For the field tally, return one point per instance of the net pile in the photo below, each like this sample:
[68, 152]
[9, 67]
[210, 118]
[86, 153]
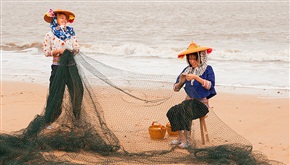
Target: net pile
[104, 118]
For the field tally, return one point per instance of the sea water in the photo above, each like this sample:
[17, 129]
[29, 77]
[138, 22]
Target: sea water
[250, 39]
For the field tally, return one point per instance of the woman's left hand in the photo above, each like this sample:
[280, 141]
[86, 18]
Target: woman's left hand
[75, 51]
[190, 77]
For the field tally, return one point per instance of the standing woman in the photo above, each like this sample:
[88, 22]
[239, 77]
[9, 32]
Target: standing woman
[199, 80]
[61, 44]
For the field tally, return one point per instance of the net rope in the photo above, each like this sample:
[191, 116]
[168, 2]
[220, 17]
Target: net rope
[96, 113]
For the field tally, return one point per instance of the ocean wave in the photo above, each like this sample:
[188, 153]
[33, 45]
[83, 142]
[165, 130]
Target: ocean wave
[20, 46]
[251, 56]
[169, 52]
[139, 50]
[133, 50]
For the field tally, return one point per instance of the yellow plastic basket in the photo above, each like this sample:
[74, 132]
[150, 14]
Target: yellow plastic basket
[157, 131]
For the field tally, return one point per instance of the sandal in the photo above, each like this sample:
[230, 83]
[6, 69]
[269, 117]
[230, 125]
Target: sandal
[175, 142]
[49, 127]
[183, 145]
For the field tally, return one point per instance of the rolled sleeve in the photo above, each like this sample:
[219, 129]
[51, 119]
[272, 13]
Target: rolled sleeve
[76, 46]
[47, 45]
[210, 78]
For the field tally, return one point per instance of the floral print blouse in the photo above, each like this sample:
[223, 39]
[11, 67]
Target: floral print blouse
[51, 43]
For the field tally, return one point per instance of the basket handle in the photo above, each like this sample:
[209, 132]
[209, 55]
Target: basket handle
[156, 123]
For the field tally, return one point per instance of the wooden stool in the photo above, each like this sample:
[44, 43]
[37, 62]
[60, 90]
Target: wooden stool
[203, 130]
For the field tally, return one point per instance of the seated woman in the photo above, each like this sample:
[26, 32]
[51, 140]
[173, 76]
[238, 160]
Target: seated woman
[199, 80]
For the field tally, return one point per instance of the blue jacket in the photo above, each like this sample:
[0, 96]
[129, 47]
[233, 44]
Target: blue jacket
[197, 90]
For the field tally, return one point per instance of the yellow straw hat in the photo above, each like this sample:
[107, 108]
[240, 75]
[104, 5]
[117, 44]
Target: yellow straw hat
[50, 14]
[192, 48]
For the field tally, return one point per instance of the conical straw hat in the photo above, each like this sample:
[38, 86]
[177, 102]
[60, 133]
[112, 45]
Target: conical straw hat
[192, 48]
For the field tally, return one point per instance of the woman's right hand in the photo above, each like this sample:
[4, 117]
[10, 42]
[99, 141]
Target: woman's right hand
[58, 52]
[176, 87]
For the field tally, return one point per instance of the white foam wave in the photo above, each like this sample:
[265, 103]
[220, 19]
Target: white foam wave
[171, 51]
[247, 55]
[163, 51]
[133, 49]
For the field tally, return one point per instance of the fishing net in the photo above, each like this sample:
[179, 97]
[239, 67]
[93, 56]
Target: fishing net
[97, 114]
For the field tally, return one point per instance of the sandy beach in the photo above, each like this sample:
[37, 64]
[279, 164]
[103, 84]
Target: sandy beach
[250, 59]
[262, 121]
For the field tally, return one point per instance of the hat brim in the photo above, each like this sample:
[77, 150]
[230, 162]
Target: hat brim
[193, 50]
[66, 12]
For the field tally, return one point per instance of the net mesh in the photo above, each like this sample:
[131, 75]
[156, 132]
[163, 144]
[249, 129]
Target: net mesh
[99, 114]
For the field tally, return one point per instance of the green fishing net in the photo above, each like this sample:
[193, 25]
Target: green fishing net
[97, 114]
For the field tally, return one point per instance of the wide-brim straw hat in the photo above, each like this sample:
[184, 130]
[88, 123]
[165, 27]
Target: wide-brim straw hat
[192, 48]
[50, 14]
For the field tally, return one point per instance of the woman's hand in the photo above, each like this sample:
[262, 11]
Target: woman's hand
[75, 51]
[61, 51]
[58, 52]
[190, 77]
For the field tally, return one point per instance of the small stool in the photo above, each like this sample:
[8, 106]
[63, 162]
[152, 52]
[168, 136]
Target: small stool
[203, 130]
